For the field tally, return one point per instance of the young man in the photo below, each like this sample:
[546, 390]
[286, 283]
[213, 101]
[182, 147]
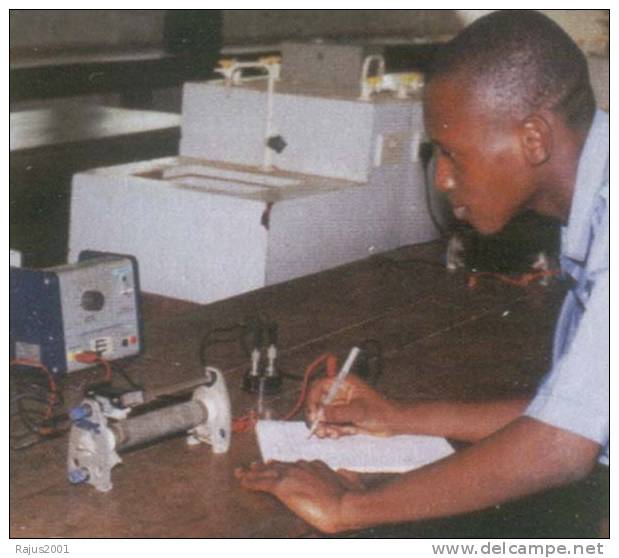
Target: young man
[511, 113]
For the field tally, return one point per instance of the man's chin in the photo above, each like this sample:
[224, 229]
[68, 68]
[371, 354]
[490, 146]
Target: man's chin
[486, 228]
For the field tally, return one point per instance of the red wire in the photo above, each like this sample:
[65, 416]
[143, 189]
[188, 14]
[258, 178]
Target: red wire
[52, 387]
[247, 422]
[85, 357]
[331, 362]
[90, 357]
[521, 281]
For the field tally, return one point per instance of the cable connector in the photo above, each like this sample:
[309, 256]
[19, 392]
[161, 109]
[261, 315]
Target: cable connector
[91, 357]
[87, 357]
[263, 379]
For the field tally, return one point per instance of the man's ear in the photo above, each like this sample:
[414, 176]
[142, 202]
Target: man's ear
[536, 139]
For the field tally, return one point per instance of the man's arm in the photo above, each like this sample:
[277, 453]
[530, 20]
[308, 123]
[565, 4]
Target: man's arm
[456, 420]
[524, 457]
[360, 408]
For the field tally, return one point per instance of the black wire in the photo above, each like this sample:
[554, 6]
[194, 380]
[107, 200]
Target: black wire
[252, 333]
[207, 340]
[369, 364]
[30, 404]
[254, 328]
[426, 152]
[118, 368]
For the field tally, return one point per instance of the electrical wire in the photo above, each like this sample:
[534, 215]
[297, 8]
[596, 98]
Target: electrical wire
[248, 421]
[522, 280]
[368, 366]
[120, 370]
[36, 403]
[53, 389]
[369, 363]
[426, 152]
[91, 357]
[330, 362]
[208, 340]
[39, 407]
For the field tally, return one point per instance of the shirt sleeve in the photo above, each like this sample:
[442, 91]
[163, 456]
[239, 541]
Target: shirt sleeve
[574, 396]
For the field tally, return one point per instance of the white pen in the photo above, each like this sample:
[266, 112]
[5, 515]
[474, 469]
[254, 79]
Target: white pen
[335, 387]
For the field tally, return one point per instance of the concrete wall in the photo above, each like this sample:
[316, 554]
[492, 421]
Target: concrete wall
[117, 28]
[75, 28]
[55, 29]
[273, 25]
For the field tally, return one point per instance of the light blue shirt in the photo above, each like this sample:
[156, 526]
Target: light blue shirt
[574, 395]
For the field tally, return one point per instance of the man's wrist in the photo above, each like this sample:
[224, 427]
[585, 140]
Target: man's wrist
[407, 418]
[397, 422]
[353, 510]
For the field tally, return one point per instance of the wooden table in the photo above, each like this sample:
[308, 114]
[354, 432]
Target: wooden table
[439, 339]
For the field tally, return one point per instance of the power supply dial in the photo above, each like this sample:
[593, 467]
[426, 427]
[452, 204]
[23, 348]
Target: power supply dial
[92, 301]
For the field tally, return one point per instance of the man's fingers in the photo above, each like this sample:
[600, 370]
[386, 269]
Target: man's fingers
[345, 430]
[338, 420]
[314, 465]
[259, 484]
[350, 413]
[260, 476]
[326, 430]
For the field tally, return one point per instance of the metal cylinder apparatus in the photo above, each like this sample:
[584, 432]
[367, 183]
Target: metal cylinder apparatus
[100, 430]
[158, 424]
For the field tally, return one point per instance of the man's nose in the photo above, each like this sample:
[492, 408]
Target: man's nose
[444, 180]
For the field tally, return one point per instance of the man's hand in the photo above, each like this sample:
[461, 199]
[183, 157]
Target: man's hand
[357, 409]
[310, 489]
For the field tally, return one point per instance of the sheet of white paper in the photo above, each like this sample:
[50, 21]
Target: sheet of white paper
[288, 441]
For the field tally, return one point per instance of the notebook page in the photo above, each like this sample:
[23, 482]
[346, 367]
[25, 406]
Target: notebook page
[288, 441]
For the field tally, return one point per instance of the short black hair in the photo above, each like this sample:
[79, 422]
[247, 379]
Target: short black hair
[525, 60]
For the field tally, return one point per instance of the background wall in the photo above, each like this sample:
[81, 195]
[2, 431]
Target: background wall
[241, 26]
[119, 28]
[38, 31]
[55, 29]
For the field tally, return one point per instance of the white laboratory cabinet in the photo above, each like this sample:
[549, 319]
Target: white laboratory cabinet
[341, 181]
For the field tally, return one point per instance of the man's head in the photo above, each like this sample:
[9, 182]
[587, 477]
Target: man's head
[506, 101]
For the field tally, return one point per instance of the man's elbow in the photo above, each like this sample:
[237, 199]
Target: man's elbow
[557, 457]
[580, 468]
[574, 459]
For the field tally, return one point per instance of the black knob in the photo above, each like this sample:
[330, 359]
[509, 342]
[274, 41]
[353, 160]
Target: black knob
[92, 301]
[277, 143]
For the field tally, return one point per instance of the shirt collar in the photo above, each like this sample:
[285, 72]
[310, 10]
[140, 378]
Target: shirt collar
[590, 177]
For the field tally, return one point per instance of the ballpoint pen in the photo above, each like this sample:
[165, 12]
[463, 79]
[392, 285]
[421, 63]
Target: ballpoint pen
[335, 387]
